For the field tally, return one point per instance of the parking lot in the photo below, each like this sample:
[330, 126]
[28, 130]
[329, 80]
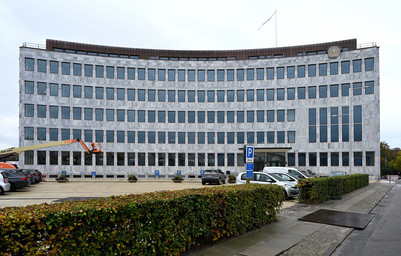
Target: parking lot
[52, 191]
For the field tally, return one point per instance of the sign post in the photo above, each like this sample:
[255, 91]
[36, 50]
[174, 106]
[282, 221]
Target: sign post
[249, 151]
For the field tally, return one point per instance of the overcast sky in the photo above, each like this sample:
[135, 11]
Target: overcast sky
[201, 25]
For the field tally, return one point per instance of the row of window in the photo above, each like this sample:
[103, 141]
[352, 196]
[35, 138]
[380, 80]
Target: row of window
[160, 116]
[322, 127]
[151, 95]
[201, 75]
[191, 159]
[161, 137]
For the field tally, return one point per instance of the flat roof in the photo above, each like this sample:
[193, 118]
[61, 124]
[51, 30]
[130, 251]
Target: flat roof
[244, 54]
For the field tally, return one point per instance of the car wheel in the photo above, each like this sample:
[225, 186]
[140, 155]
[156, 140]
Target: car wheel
[1, 190]
[12, 187]
[224, 181]
[218, 182]
[203, 183]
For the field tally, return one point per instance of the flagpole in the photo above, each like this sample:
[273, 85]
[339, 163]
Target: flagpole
[276, 26]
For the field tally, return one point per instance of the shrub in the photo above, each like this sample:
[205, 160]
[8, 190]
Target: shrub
[160, 223]
[318, 190]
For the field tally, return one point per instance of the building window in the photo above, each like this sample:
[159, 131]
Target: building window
[42, 66]
[291, 159]
[65, 157]
[141, 74]
[240, 75]
[301, 159]
[210, 96]
[323, 159]
[312, 125]
[323, 69]
[312, 70]
[171, 75]
[131, 73]
[88, 70]
[280, 115]
[312, 92]
[201, 159]
[77, 91]
[345, 69]
[291, 94]
[77, 113]
[191, 137]
[211, 161]
[240, 95]
[230, 74]
[29, 64]
[334, 156]
[41, 111]
[220, 137]
[301, 93]
[345, 157]
[53, 134]
[141, 159]
[41, 133]
[53, 157]
[240, 117]
[370, 158]
[211, 138]
[65, 68]
[201, 138]
[250, 95]
[357, 158]
[291, 136]
[240, 137]
[250, 137]
[220, 117]
[260, 137]
[323, 91]
[130, 136]
[357, 66]
[29, 87]
[201, 96]
[131, 159]
[260, 73]
[120, 159]
[369, 64]
[171, 159]
[333, 68]
[280, 137]
[99, 71]
[270, 73]
[290, 72]
[240, 159]
[280, 93]
[280, 72]
[77, 69]
[301, 71]
[357, 123]
[250, 74]
[65, 90]
[312, 159]
[220, 96]
[88, 135]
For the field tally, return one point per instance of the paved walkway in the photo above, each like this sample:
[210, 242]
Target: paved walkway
[290, 236]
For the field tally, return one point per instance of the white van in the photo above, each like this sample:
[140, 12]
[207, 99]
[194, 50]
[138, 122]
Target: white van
[292, 171]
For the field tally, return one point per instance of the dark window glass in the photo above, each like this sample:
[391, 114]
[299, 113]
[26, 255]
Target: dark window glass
[120, 94]
[171, 96]
[280, 115]
[88, 114]
[131, 115]
[210, 96]
[270, 94]
[301, 159]
[110, 93]
[210, 75]
[250, 74]
[141, 116]
[211, 136]
[152, 137]
[77, 91]
[88, 70]
[357, 158]
[270, 115]
[171, 137]
[151, 95]
[220, 75]
[357, 66]
[345, 69]
[201, 116]
[370, 158]
[201, 138]
[53, 111]
[301, 71]
[191, 75]
[151, 74]
[240, 116]
[323, 91]
[65, 112]
[369, 87]
[291, 159]
[42, 66]
[99, 114]
[161, 137]
[171, 116]
[201, 96]
[65, 90]
[191, 96]
[240, 95]
[151, 116]
[110, 136]
[357, 88]
[334, 90]
[250, 95]
[77, 113]
[201, 75]
[280, 72]
[250, 116]
[141, 74]
[141, 94]
[230, 74]
[28, 131]
[345, 90]
[270, 73]
[301, 93]
[220, 96]
[120, 72]
[181, 75]
[230, 96]
[345, 157]
[29, 87]
[191, 137]
[29, 64]
[312, 159]
[240, 75]
[41, 135]
[369, 64]
[333, 68]
[260, 73]
[280, 137]
[42, 88]
[311, 70]
[161, 116]
[131, 73]
[323, 69]
[280, 94]
[109, 114]
[260, 137]
[230, 116]
[109, 72]
[29, 110]
[181, 116]
[99, 93]
[291, 94]
[161, 74]
[260, 116]
[141, 136]
[291, 72]
[171, 74]
[77, 69]
[99, 71]
[65, 134]
[131, 94]
[210, 116]
[201, 159]
[240, 137]
[260, 94]
[65, 68]
[220, 116]
[161, 95]
[312, 92]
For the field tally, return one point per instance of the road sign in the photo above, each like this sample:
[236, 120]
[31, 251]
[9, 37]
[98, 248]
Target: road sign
[202, 172]
[249, 166]
[249, 174]
[157, 173]
[63, 173]
[249, 154]
[179, 173]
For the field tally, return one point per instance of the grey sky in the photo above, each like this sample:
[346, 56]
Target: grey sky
[202, 25]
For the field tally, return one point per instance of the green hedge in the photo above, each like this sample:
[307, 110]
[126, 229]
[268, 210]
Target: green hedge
[160, 223]
[318, 190]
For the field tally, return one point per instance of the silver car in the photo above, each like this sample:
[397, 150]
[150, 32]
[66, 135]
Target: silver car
[4, 185]
[291, 189]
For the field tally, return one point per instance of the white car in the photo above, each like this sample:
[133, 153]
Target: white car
[292, 171]
[4, 185]
[291, 190]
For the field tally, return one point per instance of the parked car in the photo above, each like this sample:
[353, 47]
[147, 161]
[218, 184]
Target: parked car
[338, 173]
[4, 184]
[34, 175]
[287, 177]
[292, 171]
[291, 190]
[16, 178]
[213, 176]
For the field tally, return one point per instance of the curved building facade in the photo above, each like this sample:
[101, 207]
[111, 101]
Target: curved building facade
[161, 111]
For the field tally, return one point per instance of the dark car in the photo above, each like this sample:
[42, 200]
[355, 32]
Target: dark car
[16, 178]
[34, 175]
[213, 176]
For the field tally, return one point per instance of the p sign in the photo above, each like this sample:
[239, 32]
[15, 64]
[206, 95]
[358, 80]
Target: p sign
[249, 154]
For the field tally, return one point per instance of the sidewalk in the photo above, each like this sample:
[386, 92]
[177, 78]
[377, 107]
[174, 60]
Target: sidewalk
[290, 236]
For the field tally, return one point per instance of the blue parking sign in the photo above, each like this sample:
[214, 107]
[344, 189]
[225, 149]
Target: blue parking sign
[249, 166]
[249, 154]
[179, 173]
[157, 173]
[201, 172]
[249, 174]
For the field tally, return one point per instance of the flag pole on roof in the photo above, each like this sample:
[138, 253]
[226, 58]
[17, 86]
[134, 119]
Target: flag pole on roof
[275, 17]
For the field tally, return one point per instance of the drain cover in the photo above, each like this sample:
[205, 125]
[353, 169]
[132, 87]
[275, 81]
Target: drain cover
[338, 218]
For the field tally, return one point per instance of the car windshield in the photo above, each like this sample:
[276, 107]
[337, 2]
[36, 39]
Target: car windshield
[277, 177]
[211, 171]
[285, 177]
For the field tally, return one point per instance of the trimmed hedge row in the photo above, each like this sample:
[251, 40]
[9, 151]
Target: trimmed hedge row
[160, 223]
[319, 190]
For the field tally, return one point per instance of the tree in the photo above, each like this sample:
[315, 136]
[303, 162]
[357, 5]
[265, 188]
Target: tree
[387, 158]
[397, 162]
